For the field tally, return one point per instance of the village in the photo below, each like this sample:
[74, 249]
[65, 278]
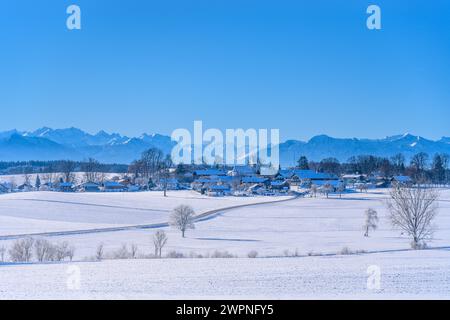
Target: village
[245, 180]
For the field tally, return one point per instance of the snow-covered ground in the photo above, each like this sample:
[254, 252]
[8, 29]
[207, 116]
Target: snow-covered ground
[303, 226]
[306, 225]
[33, 212]
[409, 275]
[19, 179]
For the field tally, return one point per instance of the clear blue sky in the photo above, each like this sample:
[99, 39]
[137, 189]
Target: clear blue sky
[305, 67]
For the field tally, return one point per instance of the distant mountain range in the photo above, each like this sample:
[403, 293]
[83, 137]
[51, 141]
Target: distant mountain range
[75, 144]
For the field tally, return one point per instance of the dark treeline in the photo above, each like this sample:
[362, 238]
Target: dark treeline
[28, 167]
[421, 167]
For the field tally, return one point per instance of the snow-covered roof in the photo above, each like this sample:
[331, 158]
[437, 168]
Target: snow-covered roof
[242, 170]
[333, 183]
[89, 185]
[402, 178]
[66, 184]
[209, 172]
[286, 173]
[203, 180]
[268, 171]
[253, 180]
[352, 176]
[278, 183]
[113, 184]
[169, 180]
[219, 187]
[255, 187]
[310, 174]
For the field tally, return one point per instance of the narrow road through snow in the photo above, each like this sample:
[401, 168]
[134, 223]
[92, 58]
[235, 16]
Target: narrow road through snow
[201, 217]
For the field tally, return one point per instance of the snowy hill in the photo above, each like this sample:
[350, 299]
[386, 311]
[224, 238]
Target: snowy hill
[72, 143]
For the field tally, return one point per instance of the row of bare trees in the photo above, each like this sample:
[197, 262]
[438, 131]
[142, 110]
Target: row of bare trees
[23, 250]
[152, 166]
[182, 218]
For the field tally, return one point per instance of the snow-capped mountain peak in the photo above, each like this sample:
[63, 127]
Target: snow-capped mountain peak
[72, 143]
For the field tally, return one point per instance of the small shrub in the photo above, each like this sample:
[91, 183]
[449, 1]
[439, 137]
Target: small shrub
[252, 254]
[133, 250]
[99, 252]
[175, 255]
[419, 245]
[194, 255]
[121, 253]
[2, 253]
[222, 254]
[345, 251]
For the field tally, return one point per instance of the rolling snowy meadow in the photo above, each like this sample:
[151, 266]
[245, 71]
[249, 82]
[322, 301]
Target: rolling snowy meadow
[297, 247]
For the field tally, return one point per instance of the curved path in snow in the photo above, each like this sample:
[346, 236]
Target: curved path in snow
[201, 217]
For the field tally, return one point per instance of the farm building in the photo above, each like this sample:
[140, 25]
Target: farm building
[113, 186]
[404, 180]
[218, 190]
[3, 188]
[65, 187]
[242, 171]
[89, 187]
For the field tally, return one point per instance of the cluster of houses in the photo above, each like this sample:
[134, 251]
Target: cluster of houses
[107, 186]
[239, 181]
[248, 180]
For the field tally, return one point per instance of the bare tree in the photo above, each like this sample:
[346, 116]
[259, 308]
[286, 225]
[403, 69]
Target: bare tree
[327, 189]
[412, 210]
[159, 241]
[398, 161]
[27, 179]
[91, 169]
[43, 250]
[371, 221]
[61, 251]
[313, 190]
[182, 218]
[151, 161]
[122, 252]
[49, 178]
[99, 252]
[70, 252]
[341, 189]
[363, 187]
[21, 250]
[133, 250]
[67, 169]
[164, 167]
[2, 253]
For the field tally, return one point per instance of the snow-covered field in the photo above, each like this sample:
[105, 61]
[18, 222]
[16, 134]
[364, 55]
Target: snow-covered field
[301, 226]
[78, 177]
[33, 212]
[409, 275]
